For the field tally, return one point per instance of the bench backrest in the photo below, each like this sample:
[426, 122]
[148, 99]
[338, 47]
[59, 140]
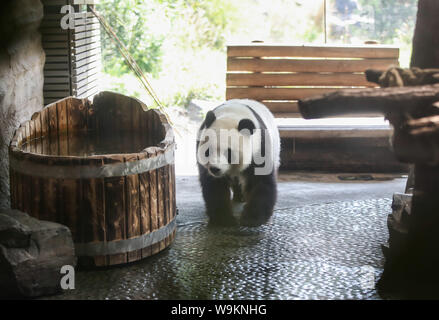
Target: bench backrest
[279, 75]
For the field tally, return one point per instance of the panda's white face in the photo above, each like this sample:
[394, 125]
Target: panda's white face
[223, 150]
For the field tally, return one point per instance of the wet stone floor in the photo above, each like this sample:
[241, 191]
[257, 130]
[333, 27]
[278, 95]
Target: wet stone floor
[324, 242]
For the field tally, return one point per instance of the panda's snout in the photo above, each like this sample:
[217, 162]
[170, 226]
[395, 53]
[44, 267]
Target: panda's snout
[214, 170]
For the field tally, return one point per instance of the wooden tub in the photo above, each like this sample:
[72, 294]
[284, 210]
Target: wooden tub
[105, 169]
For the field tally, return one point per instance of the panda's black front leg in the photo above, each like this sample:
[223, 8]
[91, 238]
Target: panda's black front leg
[216, 194]
[261, 198]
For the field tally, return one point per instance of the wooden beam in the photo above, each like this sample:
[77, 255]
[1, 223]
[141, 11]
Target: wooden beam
[342, 51]
[298, 79]
[308, 65]
[276, 93]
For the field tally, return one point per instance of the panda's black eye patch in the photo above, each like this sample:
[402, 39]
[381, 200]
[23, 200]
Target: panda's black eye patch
[229, 155]
[207, 153]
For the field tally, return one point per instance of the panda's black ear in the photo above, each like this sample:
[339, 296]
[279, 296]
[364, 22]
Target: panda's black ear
[246, 124]
[210, 118]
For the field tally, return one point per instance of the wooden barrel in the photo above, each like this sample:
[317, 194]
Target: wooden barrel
[104, 169]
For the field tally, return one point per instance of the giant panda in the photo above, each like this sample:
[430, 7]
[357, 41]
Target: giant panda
[238, 148]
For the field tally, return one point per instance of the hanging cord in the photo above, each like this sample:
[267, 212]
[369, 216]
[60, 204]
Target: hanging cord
[130, 61]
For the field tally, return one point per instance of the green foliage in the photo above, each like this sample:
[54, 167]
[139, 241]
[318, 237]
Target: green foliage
[182, 43]
[394, 19]
[131, 20]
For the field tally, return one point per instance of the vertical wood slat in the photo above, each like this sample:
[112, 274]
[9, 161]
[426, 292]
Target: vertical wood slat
[144, 200]
[93, 211]
[153, 205]
[132, 211]
[115, 211]
[160, 200]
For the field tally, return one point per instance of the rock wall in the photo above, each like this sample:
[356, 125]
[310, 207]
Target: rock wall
[21, 74]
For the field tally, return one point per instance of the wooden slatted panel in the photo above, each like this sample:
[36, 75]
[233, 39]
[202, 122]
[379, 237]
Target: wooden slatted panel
[72, 55]
[279, 75]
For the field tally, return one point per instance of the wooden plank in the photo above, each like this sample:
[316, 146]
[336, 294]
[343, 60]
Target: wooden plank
[144, 200]
[86, 90]
[56, 94]
[50, 87]
[153, 204]
[276, 93]
[80, 21]
[56, 80]
[335, 131]
[77, 71]
[290, 109]
[54, 37]
[161, 202]
[166, 195]
[56, 52]
[88, 47]
[61, 109]
[84, 41]
[298, 79]
[132, 211]
[55, 45]
[76, 116]
[86, 27]
[69, 207]
[309, 65]
[85, 34]
[93, 213]
[91, 78]
[333, 51]
[81, 56]
[282, 106]
[56, 66]
[56, 73]
[115, 211]
[92, 58]
[85, 75]
[54, 59]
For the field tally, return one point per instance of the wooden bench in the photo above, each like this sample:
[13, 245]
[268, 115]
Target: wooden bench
[280, 75]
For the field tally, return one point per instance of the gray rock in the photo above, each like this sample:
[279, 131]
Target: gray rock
[32, 253]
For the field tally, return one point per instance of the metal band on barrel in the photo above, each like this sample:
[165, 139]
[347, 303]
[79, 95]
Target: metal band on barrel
[84, 172]
[124, 246]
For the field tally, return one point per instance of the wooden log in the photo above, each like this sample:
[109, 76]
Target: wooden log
[394, 103]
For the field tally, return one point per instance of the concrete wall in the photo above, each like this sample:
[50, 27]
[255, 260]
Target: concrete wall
[21, 74]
